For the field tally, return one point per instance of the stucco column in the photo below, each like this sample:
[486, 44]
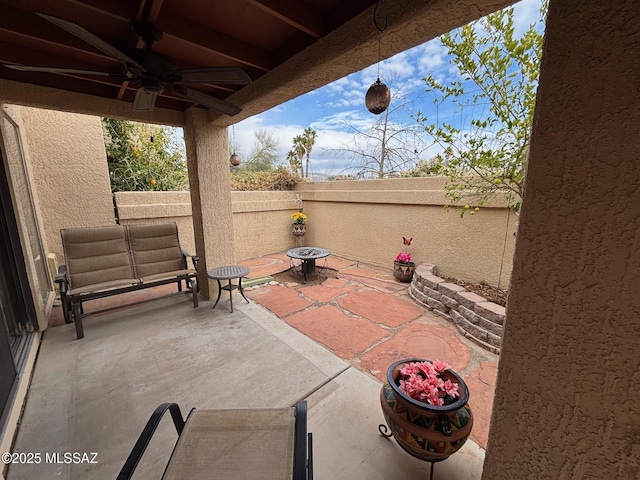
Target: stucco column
[567, 402]
[208, 163]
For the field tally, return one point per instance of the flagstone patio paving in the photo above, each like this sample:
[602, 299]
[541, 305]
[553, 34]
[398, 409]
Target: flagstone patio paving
[366, 318]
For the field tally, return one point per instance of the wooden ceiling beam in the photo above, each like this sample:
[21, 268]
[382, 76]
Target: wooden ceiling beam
[293, 13]
[198, 36]
[41, 35]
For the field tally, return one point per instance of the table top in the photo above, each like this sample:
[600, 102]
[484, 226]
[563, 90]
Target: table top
[308, 253]
[228, 272]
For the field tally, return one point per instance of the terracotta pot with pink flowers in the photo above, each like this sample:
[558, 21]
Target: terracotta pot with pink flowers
[403, 266]
[425, 405]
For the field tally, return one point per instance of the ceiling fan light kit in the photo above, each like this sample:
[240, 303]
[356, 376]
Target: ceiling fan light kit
[156, 73]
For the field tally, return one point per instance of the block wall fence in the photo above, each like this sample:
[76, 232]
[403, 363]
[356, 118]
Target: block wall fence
[362, 220]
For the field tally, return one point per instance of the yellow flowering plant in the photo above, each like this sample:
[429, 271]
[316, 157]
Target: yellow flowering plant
[299, 217]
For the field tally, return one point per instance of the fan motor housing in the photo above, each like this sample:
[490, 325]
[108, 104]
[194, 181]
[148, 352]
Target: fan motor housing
[152, 85]
[153, 63]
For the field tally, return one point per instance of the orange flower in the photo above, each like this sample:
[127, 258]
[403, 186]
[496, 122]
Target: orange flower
[152, 181]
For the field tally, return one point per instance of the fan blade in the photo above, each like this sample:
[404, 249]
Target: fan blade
[219, 75]
[204, 99]
[29, 68]
[91, 39]
[144, 101]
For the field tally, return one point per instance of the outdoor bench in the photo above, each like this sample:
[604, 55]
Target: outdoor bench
[105, 261]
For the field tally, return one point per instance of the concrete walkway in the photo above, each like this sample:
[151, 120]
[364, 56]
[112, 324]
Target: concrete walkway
[366, 318]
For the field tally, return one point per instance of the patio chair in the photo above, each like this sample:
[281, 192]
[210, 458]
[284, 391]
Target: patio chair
[270, 443]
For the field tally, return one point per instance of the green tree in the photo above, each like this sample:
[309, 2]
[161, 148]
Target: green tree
[143, 157]
[264, 152]
[497, 83]
[309, 140]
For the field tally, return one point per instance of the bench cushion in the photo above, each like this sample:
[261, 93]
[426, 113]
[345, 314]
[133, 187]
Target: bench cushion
[103, 287]
[97, 255]
[155, 249]
[167, 276]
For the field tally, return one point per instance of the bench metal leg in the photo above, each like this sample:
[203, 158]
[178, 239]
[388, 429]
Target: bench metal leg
[66, 308]
[194, 292]
[77, 318]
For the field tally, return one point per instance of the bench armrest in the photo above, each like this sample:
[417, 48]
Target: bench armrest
[194, 258]
[61, 278]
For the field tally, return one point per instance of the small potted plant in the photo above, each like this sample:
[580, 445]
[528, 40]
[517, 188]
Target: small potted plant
[403, 266]
[299, 220]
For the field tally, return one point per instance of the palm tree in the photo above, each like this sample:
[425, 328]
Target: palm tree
[299, 149]
[309, 139]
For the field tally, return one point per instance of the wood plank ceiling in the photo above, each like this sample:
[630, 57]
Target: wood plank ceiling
[255, 35]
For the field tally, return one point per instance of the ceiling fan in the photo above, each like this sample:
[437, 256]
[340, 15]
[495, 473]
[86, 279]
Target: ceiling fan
[154, 71]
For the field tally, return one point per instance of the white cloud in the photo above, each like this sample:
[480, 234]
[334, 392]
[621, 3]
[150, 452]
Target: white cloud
[431, 55]
[525, 13]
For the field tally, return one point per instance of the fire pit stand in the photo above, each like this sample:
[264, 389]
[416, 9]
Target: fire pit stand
[308, 257]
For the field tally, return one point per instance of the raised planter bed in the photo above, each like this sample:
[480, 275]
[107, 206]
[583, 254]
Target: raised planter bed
[474, 316]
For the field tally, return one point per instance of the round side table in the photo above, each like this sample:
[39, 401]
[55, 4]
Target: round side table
[228, 272]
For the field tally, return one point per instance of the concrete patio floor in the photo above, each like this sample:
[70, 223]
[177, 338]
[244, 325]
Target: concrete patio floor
[329, 344]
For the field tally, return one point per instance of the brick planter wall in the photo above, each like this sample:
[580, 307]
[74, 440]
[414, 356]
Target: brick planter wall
[476, 318]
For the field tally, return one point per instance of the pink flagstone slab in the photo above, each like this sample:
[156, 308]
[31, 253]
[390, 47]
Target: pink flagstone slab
[419, 340]
[481, 383]
[380, 308]
[280, 300]
[383, 286]
[338, 263]
[346, 336]
[264, 266]
[328, 290]
[370, 273]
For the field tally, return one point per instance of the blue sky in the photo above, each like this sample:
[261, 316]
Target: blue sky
[330, 109]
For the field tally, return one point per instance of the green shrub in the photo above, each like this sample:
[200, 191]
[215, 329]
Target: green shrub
[277, 179]
[143, 157]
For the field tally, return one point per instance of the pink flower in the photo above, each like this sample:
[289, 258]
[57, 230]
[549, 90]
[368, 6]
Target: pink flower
[440, 366]
[423, 381]
[404, 257]
[435, 399]
[451, 389]
[427, 369]
[409, 369]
